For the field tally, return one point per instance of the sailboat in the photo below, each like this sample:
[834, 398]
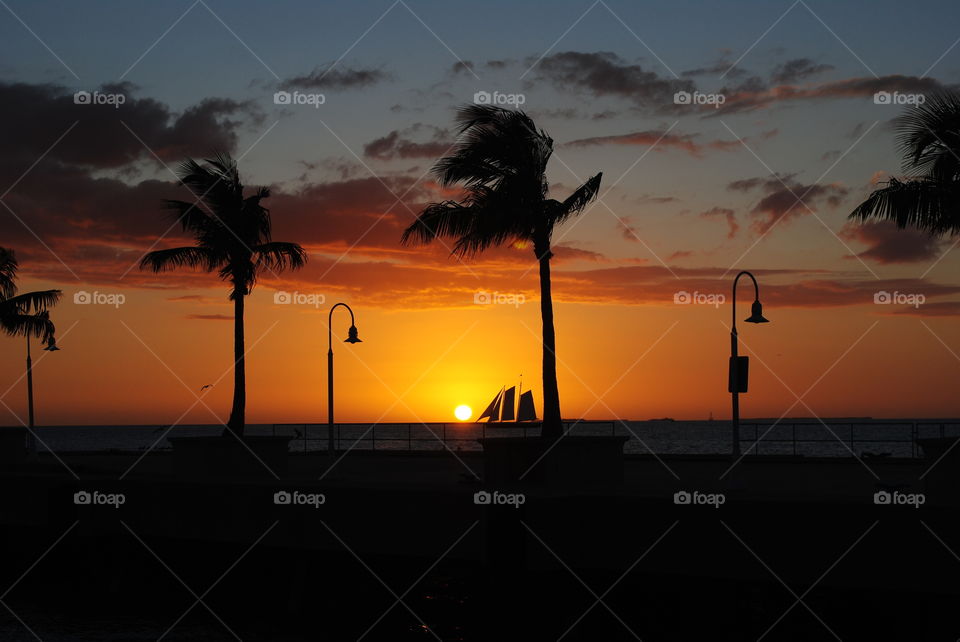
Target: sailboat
[501, 409]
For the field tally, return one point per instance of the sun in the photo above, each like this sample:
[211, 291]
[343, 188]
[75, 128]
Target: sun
[463, 412]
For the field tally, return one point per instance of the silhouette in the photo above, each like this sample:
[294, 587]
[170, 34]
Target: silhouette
[26, 315]
[501, 409]
[233, 237]
[501, 160]
[929, 140]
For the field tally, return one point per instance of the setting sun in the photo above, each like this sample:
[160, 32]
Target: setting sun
[463, 412]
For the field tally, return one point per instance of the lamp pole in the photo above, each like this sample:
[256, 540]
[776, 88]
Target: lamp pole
[31, 435]
[31, 440]
[734, 384]
[351, 338]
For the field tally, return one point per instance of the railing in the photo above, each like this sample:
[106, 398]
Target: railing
[416, 436]
[843, 435]
[796, 438]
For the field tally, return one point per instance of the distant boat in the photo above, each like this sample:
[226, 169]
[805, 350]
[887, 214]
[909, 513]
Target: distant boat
[501, 409]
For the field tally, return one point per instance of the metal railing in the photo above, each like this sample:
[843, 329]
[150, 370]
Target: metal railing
[416, 436]
[843, 434]
[796, 438]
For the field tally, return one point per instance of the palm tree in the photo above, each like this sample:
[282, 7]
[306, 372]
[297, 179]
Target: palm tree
[500, 161]
[232, 235]
[24, 315]
[929, 199]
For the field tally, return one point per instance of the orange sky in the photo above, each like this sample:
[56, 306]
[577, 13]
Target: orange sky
[143, 362]
[690, 195]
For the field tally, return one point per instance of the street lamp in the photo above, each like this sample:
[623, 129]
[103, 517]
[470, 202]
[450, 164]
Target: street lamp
[351, 338]
[738, 369]
[31, 435]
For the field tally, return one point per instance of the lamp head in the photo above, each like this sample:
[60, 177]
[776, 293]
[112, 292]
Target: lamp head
[51, 345]
[756, 313]
[352, 336]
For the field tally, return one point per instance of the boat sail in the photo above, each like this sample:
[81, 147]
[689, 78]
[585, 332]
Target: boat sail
[501, 409]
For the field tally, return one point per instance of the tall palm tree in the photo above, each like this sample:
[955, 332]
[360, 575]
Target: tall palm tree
[929, 199]
[25, 314]
[232, 235]
[500, 161]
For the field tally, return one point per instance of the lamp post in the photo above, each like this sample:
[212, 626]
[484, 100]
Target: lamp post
[351, 338]
[31, 435]
[738, 369]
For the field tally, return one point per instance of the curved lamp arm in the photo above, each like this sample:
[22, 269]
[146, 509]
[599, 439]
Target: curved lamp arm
[756, 297]
[330, 324]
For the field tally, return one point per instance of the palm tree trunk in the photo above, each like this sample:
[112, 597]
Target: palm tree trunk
[238, 413]
[552, 425]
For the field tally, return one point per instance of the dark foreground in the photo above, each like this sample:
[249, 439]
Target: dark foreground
[400, 551]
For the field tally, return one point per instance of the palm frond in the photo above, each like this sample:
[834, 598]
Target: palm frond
[28, 325]
[31, 302]
[8, 273]
[929, 136]
[581, 197]
[175, 257]
[279, 255]
[923, 203]
[438, 220]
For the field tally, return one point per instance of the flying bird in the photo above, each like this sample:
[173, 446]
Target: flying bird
[209, 385]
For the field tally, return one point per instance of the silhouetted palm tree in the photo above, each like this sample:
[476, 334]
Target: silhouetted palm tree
[501, 161]
[24, 315]
[232, 235]
[929, 139]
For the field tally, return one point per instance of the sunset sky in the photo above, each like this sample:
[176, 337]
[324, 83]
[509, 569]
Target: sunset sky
[691, 194]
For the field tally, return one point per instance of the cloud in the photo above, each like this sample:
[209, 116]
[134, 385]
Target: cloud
[661, 140]
[627, 230]
[563, 252]
[397, 144]
[331, 77]
[728, 214]
[606, 74]
[467, 67]
[786, 198]
[649, 198]
[887, 244]
[103, 136]
[750, 97]
[797, 69]
[720, 68]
